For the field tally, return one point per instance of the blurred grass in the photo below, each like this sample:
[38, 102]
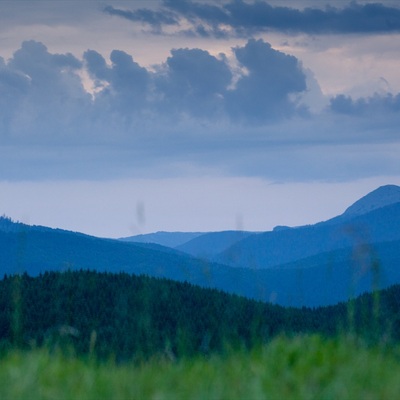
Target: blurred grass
[303, 367]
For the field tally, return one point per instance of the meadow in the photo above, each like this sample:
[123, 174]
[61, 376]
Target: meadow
[302, 367]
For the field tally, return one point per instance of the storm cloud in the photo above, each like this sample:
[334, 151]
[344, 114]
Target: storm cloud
[243, 19]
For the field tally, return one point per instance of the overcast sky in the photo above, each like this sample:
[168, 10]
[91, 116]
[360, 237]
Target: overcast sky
[126, 117]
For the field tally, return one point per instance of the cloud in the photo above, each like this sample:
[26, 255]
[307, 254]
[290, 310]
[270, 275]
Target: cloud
[156, 19]
[34, 60]
[194, 82]
[204, 18]
[127, 75]
[185, 115]
[44, 99]
[353, 18]
[13, 87]
[122, 89]
[97, 66]
[244, 19]
[46, 92]
[376, 105]
[263, 93]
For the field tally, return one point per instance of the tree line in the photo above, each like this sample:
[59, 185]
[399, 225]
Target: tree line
[129, 317]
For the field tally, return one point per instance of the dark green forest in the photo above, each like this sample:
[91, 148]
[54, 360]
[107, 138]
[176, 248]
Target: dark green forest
[128, 317]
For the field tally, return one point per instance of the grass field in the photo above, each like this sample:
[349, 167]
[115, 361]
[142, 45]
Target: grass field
[306, 367]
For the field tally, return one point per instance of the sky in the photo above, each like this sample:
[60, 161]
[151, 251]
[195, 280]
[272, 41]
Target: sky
[127, 117]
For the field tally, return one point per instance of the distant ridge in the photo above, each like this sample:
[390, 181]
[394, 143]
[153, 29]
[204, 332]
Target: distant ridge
[169, 239]
[373, 219]
[311, 265]
[212, 243]
[378, 198]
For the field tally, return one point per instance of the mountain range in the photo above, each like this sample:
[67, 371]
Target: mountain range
[367, 220]
[311, 265]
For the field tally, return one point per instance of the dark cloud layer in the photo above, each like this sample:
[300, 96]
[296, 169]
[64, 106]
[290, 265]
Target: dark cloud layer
[156, 19]
[375, 105]
[189, 109]
[241, 18]
[43, 98]
[193, 83]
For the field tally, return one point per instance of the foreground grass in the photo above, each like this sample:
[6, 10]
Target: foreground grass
[303, 368]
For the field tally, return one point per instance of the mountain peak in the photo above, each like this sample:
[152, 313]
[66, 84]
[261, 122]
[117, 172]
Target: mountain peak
[378, 198]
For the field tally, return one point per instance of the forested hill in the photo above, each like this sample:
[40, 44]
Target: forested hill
[130, 316]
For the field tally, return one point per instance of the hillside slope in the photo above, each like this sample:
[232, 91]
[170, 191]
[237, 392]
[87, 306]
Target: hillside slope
[170, 239]
[210, 244]
[277, 247]
[326, 278]
[378, 198]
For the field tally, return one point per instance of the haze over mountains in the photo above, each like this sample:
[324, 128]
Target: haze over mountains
[170, 239]
[358, 224]
[310, 265]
